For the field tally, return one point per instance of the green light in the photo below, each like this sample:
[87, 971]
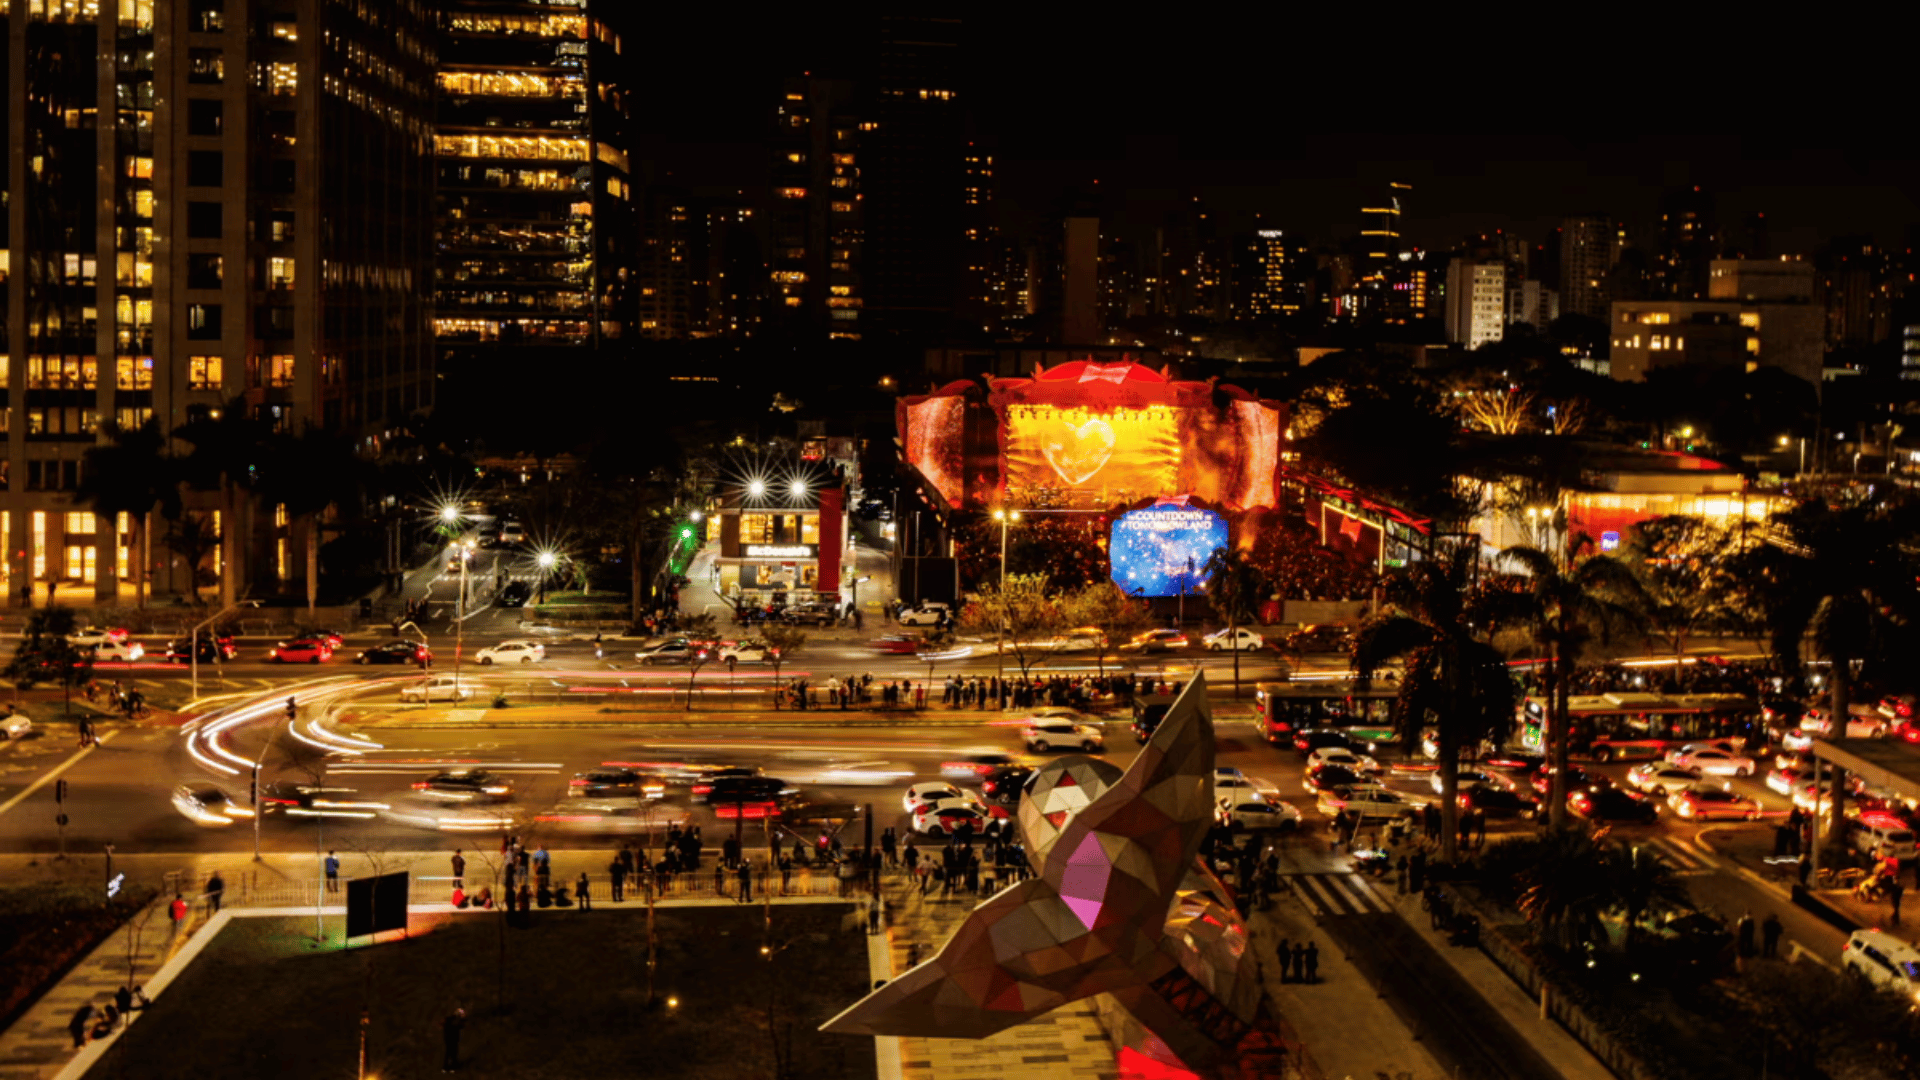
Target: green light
[686, 534]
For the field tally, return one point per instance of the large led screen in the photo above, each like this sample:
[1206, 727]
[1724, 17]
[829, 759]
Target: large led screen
[1114, 455]
[1162, 550]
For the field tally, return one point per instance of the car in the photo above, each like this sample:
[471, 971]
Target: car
[1860, 725]
[1897, 708]
[93, 635]
[515, 593]
[950, 816]
[1340, 755]
[1322, 638]
[615, 781]
[1043, 735]
[449, 815]
[512, 532]
[395, 652]
[466, 785]
[1257, 815]
[1237, 639]
[734, 790]
[295, 799]
[1881, 835]
[122, 652]
[1232, 789]
[437, 688]
[512, 652]
[927, 613]
[1577, 778]
[301, 651]
[1784, 779]
[459, 556]
[677, 650]
[810, 615]
[212, 650]
[1004, 786]
[1780, 714]
[1497, 801]
[971, 767]
[1330, 777]
[1884, 962]
[1367, 800]
[1714, 762]
[930, 792]
[15, 726]
[1612, 804]
[1148, 711]
[752, 651]
[1725, 746]
[333, 638]
[896, 644]
[1308, 740]
[1467, 778]
[206, 805]
[1155, 641]
[1658, 779]
[1705, 803]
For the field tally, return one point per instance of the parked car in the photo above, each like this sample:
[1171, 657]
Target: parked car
[437, 688]
[1043, 735]
[512, 652]
[1238, 639]
[810, 615]
[931, 613]
[1613, 804]
[301, 651]
[1884, 961]
[1323, 638]
[395, 652]
[1156, 641]
[1704, 803]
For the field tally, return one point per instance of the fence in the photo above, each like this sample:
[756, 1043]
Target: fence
[247, 890]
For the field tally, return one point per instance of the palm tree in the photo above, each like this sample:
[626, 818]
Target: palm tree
[308, 474]
[1567, 607]
[1638, 884]
[193, 538]
[228, 451]
[1453, 676]
[132, 475]
[1234, 584]
[1568, 890]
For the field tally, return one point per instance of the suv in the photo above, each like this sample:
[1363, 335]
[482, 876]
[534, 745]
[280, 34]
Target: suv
[212, 649]
[1148, 711]
[927, 614]
[809, 615]
[1884, 961]
[1324, 638]
[1045, 734]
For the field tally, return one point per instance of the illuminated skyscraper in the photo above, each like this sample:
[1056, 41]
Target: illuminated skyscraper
[1380, 231]
[535, 206]
[815, 213]
[206, 201]
[1589, 246]
[1476, 301]
[1268, 276]
[1689, 242]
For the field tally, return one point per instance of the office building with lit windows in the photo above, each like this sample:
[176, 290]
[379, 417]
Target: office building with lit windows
[814, 217]
[1759, 313]
[1476, 302]
[535, 216]
[1267, 276]
[206, 202]
[1589, 246]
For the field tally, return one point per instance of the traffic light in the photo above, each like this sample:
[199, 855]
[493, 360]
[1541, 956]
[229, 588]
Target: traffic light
[60, 791]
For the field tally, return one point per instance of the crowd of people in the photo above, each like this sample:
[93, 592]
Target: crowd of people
[970, 692]
[1752, 678]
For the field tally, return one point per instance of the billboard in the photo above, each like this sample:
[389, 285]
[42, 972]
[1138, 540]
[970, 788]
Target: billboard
[1162, 550]
[1091, 436]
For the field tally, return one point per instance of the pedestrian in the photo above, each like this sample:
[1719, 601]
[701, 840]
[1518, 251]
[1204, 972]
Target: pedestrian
[542, 862]
[123, 1000]
[746, 881]
[450, 1038]
[459, 868]
[216, 888]
[333, 872]
[617, 881]
[1744, 931]
[77, 1027]
[526, 898]
[1770, 932]
[1895, 891]
[1312, 971]
[1286, 961]
[786, 874]
[1299, 962]
[177, 911]
[580, 891]
[889, 846]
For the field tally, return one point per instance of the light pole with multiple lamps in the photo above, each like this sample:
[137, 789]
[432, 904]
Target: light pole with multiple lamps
[1005, 518]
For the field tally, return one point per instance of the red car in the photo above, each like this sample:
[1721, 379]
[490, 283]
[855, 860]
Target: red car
[304, 650]
[898, 644]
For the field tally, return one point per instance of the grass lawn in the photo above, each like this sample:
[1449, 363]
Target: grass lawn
[261, 1002]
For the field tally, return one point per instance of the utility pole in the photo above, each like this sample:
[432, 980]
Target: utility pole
[60, 818]
[1005, 518]
[262, 760]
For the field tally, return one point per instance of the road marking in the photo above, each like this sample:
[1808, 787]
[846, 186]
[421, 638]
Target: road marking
[54, 772]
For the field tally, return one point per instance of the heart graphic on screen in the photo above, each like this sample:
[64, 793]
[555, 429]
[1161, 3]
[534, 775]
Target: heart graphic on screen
[1076, 453]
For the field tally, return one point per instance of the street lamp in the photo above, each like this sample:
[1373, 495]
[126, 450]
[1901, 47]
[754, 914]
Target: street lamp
[460, 619]
[546, 560]
[1005, 518]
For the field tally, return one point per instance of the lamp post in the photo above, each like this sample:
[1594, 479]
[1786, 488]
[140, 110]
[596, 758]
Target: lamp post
[460, 617]
[1005, 518]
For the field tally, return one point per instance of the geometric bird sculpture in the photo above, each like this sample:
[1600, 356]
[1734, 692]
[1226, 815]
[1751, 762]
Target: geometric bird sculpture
[1119, 904]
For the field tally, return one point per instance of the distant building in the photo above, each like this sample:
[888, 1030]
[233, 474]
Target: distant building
[1413, 289]
[1476, 302]
[980, 298]
[664, 270]
[1589, 246]
[1689, 242]
[1910, 351]
[1529, 303]
[1761, 314]
[814, 218]
[1380, 231]
[915, 175]
[1267, 276]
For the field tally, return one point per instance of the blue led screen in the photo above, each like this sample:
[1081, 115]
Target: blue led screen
[1152, 549]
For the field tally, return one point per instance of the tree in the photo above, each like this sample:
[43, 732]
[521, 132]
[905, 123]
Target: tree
[193, 538]
[1069, 548]
[1567, 607]
[1026, 613]
[308, 475]
[1105, 606]
[1435, 616]
[1297, 566]
[1566, 891]
[1638, 884]
[132, 474]
[1687, 570]
[229, 447]
[45, 654]
[1235, 585]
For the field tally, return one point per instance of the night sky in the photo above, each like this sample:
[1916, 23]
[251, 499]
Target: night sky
[1299, 121]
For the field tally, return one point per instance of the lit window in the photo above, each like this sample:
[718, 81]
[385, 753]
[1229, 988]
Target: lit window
[280, 370]
[282, 78]
[792, 192]
[1750, 320]
[203, 372]
[279, 273]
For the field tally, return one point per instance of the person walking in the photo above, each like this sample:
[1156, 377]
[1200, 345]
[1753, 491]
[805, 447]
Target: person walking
[890, 847]
[217, 888]
[333, 872]
[1895, 891]
[580, 892]
[177, 911]
[1312, 970]
[1286, 961]
[1743, 930]
[459, 868]
[746, 881]
[1299, 962]
[617, 880]
[450, 1039]
[1770, 932]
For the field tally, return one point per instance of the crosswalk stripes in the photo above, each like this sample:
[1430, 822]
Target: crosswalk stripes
[1686, 860]
[1338, 894]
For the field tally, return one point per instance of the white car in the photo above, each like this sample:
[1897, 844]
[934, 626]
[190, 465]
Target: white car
[1727, 746]
[437, 688]
[1715, 763]
[1467, 779]
[1235, 789]
[949, 816]
[15, 726]
[1239, 639]
[1660, 779]
[1252, 815]
[1043, 735]
[933, 791]
[924, 615]
[512, 652]
[93, 635]
[1884, 961]
[746, 652]
[1867, 725]
[1340, 755]
[125, 652]
[1367, 800]
[204, 804]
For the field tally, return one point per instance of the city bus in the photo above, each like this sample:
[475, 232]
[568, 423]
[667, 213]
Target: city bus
[1625, 726]
[1286, 708]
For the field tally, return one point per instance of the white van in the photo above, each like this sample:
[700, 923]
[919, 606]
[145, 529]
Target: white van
[1884, 961]
[1880, 835]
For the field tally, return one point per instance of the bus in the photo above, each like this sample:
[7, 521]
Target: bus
[1625, 726]
[1287, 708]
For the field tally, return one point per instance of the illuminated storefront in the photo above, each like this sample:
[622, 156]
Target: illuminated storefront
[791, 549]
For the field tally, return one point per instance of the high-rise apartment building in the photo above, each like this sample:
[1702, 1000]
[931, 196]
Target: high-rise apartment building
[1380, 231]
[209, 204]
[1528, 302]
[535, 205]
[915, 175]
[980, 245]
[1589, 246]
[814, 217]
[1689, 241]
[664, 273]
[1476, 302]
[1267, 276]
